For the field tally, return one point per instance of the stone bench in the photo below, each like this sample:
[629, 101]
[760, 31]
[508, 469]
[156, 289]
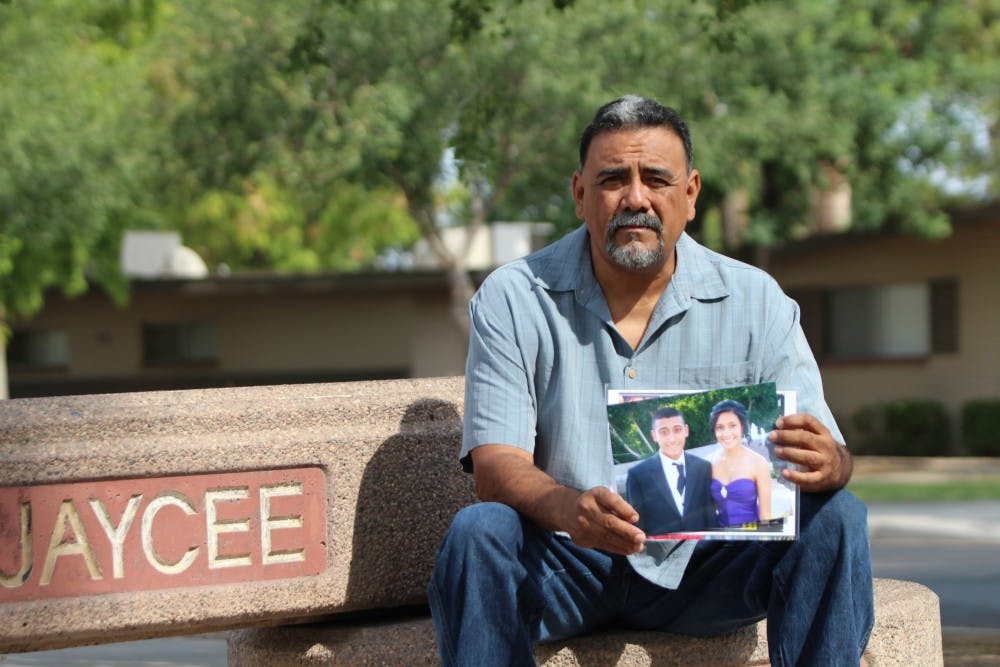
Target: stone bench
[907, 632]
[144, 515]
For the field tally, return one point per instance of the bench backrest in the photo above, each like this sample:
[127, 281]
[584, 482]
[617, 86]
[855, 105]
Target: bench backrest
[127, 516]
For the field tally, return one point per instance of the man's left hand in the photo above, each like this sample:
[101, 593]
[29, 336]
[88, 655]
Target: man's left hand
[823, 463]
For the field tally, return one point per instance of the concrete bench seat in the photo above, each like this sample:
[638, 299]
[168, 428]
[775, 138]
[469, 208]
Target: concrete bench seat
[134, 516]
[907, 632]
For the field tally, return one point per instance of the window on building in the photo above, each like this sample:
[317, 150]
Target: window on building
[38, 349]
[944, 316]
[179, 343]
[906, 320]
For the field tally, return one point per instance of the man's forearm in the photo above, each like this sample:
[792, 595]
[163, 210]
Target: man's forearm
[507, 475]
[598, 517]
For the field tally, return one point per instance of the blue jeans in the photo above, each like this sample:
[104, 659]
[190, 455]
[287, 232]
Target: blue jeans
[501, 583]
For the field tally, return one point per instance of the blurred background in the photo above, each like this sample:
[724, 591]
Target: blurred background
[247, 192]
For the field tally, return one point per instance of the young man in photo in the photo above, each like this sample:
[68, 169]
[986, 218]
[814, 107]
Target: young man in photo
[671, 491]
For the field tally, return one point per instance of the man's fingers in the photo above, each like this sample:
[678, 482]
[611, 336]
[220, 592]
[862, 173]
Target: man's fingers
[807, 458]
[798, 438]
[804, 479]
[622, 538]
[803, 440]
[800, 420]
[616, 528]
[625, 537]
[615, 504]
[605, 521]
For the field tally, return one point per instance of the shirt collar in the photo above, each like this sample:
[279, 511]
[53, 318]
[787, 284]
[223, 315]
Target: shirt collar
[697, 275]
[564, 266]
[669, 462]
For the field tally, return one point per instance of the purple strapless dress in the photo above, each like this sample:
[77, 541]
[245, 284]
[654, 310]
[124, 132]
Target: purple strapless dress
[736, 501]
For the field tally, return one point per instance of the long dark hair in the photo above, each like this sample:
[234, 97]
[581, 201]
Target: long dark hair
[737, 408]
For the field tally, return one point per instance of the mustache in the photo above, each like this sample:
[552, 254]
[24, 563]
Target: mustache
[634, 219]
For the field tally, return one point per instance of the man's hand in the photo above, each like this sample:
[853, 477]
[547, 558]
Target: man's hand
[601, 519]
[598, 518]
[824, 464]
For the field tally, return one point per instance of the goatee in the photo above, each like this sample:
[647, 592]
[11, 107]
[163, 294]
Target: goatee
[634, 255]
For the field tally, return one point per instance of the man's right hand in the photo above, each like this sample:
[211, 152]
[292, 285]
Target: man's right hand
[601, 519]
[598, 518]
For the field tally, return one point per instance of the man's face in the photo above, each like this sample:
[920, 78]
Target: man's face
[670, 434]
[636, 197]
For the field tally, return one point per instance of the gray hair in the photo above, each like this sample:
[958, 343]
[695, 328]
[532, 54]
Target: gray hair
[632, 111]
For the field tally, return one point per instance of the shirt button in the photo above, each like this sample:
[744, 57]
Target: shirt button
[631, 373]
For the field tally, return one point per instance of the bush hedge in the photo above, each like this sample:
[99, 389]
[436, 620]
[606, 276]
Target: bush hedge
[981, 427]
[914, 427]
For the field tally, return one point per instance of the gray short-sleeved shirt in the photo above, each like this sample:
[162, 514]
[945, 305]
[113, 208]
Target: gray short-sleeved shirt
[543, 349]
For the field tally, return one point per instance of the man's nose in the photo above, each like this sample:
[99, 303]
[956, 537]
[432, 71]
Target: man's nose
[635, 197]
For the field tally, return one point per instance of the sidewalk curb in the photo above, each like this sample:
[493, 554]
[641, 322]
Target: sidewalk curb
[927, 527]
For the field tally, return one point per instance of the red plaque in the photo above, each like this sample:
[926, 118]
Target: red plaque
[116, 536]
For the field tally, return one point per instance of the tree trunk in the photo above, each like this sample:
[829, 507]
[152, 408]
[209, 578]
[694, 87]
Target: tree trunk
[460, 287]
[832, 202]
[735, 217]
[4, 391]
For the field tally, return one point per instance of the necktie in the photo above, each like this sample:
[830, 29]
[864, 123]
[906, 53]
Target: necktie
[680, 478]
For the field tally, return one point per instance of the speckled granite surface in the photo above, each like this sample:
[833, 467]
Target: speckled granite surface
[388, 450]
[907, 632]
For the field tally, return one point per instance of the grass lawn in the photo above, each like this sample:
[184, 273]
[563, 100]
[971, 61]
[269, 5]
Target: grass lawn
[973, 488]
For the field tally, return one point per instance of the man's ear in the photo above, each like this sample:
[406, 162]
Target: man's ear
[577, 186]
[693, 188]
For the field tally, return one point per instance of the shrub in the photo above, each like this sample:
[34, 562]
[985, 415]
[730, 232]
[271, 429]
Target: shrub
[981, 427]
[914, 427]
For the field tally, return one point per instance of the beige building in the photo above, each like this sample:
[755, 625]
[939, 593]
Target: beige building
[896, 317]
[239, 330]
[888, 317]
[185, 328]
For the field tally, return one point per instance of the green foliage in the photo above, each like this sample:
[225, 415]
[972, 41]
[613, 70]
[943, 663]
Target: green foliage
[69, 153]
[974, 488]
[630, 422]
[309, 134]
[273, 158]
[357, 224]
[981, 427]
[802, 85]
[902, 428]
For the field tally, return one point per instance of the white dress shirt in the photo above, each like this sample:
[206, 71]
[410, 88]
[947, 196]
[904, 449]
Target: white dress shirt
[671, 472]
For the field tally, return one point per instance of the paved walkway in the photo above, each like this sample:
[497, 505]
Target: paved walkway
[969, 529]
[976, 520]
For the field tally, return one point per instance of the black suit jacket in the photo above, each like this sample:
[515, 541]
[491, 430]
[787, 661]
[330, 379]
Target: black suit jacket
[647, 492]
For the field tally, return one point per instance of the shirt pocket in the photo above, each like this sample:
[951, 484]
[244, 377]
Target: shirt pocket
[723, 375]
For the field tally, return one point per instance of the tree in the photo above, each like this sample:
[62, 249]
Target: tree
[798, 109]
[312, 134]
[68, 167]
[261, 163]
[805, 93]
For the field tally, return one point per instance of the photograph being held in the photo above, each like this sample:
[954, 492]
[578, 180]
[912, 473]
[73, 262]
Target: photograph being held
[741, 478]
